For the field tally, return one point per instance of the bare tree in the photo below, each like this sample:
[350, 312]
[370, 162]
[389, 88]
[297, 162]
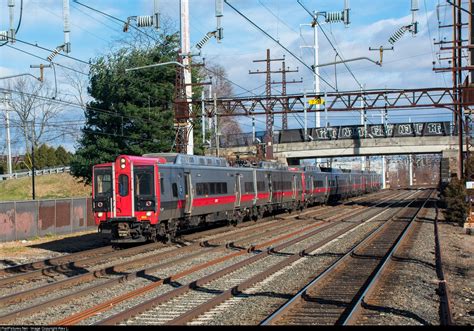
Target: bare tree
[78, 83]
[35, 107]
[228, 125]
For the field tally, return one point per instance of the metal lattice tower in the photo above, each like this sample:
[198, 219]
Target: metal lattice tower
[181, 110]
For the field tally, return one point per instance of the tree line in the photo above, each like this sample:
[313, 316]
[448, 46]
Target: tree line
[125, 112]
[45, 157]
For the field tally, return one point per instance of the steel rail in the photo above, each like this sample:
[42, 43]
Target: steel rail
[92, 311]
[357, 308]
[221, 237]
[56, 261]
[82, 263]
[122, 267]
[34, 292]
[236, 290]
[183, 289]
[49, 266]
[85, 314]
[446, 311]
[298, 297]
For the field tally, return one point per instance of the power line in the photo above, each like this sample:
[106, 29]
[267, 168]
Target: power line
[115, 18]
[50, 50]
[276, 41]
[55, 63]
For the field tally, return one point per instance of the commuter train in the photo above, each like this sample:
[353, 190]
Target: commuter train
[150, 198]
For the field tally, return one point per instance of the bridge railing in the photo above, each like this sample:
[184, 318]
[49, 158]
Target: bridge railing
[345, 132]
[37, 173]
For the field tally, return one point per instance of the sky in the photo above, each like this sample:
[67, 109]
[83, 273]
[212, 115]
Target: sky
[409, 65]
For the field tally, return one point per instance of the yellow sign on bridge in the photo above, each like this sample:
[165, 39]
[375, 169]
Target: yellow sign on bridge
[317, 101]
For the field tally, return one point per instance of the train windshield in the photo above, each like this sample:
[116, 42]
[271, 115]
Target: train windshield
[103, 181]
[144, 185]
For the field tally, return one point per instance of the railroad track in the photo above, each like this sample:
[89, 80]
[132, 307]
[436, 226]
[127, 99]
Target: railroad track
[335, 296]
[185, 289]
[75, 263]
[36, 292]
[129, 275]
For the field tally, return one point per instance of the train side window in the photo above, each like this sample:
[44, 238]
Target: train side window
[123, 185]
[199, 189]
[162, 186]
[224, 188]
[248, 187]
[174, 187]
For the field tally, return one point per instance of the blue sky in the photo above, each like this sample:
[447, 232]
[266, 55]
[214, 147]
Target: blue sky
[372, 23]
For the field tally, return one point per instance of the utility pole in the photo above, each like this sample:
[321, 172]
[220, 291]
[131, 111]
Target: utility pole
[284, 70]
[456, 69]
[459, 86]
[6, 101]
[268, 112]
[316, 79]
[186, 51]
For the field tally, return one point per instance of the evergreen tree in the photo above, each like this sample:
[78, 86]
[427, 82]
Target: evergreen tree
[132, 111]
[454, 198]
[63, 157]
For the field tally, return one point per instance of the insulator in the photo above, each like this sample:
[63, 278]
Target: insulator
[54, 53]
[219, 8]
[3, 35]
[397, 35]
[145, 21]
[334, 17]
[414, 5]
[204, 40]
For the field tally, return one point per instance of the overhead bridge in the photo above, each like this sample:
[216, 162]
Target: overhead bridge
[341, 141]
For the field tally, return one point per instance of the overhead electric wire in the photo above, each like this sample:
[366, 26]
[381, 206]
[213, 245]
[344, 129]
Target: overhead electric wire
[289, 27]
[116, 19]
[50, 50]
[55, 63]
[76, 105]
[276, 41]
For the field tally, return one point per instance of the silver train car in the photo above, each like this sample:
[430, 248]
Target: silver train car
[148, 198]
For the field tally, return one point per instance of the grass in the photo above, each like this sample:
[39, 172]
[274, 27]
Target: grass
[46, 187]
[12, 250]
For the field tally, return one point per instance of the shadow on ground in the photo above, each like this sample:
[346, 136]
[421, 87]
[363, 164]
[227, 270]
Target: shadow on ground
[75, 244]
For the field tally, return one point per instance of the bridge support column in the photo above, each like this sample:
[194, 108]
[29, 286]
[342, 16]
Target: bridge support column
[410, 167]
[384, 173]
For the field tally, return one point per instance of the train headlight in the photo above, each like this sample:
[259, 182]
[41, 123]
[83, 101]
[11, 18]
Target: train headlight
[148, 213]
[148, 203]
[100, 214]
[122, 163]
[100, 204]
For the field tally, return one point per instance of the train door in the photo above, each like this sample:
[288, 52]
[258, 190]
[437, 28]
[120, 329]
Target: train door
[188, 191]
[294, 187]
[270, 187]
[255, 187]
[328, 188]
[311, 186]
[238, 190]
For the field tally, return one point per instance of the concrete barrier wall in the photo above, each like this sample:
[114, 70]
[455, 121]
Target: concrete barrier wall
[27, 219]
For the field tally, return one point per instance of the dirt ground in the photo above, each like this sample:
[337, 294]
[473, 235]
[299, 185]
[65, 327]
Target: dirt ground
[457, 251]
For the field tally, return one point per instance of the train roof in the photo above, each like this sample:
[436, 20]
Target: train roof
[272, 165]
[184, 159]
